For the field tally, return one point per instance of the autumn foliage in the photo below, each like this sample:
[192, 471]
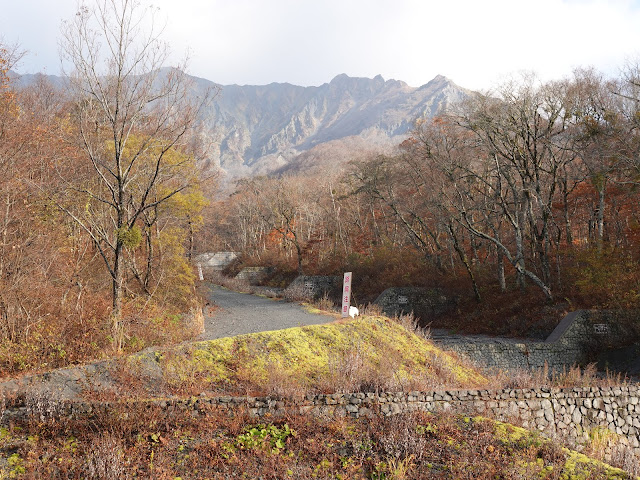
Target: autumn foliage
[55, 294]
[526, 196]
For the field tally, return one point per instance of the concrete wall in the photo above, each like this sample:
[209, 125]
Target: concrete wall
[214, 261]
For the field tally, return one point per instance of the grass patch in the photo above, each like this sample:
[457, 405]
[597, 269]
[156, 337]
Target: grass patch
[364, 354]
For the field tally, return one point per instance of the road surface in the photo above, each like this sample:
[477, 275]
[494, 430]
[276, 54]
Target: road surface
[240, 313]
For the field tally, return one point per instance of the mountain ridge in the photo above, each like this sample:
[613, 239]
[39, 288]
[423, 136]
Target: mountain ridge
[265, 128]
[262, 129]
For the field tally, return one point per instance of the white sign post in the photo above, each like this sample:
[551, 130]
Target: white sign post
[200, 276]
[346, 294]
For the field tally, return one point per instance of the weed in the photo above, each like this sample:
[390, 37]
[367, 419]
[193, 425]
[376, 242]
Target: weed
[16, 465]
[264, 436]
[574, 376]
[325, 303]
[157, 443]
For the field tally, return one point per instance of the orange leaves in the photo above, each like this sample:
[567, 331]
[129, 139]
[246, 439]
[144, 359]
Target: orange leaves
[279, 237]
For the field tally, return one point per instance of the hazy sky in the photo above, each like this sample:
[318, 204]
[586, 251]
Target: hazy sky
[473, 42]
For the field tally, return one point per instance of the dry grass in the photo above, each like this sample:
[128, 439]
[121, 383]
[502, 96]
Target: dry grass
[570, 377]
[235, 284]
[153, 443]
[604, 445]
[325, 303]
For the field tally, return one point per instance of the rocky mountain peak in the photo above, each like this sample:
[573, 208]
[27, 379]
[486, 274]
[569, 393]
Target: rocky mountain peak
[258, 129]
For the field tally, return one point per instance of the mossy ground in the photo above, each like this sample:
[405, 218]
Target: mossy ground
[575, 467]
[351, 355]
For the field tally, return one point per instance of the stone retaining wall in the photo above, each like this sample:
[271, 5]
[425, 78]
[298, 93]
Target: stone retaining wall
[576, 340]
[254, 275]
[314, 287]
[571, 343]
[425, 303]
[571, 413]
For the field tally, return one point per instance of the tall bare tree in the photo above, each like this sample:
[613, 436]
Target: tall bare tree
[130, 112]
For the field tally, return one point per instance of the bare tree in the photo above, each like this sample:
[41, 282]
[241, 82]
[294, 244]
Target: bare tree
[287, 211]
[130, 112]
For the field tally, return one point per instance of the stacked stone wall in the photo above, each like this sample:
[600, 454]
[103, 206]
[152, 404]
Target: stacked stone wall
[572, 342]
[314, 287]
[426, 303]
[254, 275]
[570, 413]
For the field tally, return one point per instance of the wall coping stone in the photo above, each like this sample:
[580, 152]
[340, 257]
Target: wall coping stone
[564, 326]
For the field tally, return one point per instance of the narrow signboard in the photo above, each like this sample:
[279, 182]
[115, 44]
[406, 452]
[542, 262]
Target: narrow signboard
[200, 276]
[346, 294]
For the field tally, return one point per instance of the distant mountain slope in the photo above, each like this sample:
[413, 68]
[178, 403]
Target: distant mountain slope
[262, 129]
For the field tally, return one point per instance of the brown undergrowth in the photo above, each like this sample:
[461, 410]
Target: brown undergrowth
[152, 443]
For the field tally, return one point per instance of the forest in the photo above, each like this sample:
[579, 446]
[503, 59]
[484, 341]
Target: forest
[516, 200]
[101, 195]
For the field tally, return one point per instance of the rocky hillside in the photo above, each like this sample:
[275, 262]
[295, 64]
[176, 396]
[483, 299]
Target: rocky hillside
[262, 129]
[259, 129]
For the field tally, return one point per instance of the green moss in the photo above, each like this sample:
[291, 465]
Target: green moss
[311, 309]
[579, 466]
[576, 467]
[306, 354]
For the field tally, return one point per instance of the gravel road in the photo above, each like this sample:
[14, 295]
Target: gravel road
[241, 313]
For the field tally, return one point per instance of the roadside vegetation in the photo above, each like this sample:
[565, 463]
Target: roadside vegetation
[368, 354]
[152, 444]
[101, 194]
[371, 353]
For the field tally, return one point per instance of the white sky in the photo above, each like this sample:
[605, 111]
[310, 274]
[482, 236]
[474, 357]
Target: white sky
[307, 42]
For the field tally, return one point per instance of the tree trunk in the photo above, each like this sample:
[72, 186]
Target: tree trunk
[299, 252]
[501, 279]
[117, 287]
[5, 227]
[463, 256]
[191, 234]
[567, 221]
[519, 263]
[542, 242]
[600, 217]
[147, 274]
[536, 280]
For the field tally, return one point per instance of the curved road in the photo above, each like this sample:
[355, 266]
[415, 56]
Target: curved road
[240, 313]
